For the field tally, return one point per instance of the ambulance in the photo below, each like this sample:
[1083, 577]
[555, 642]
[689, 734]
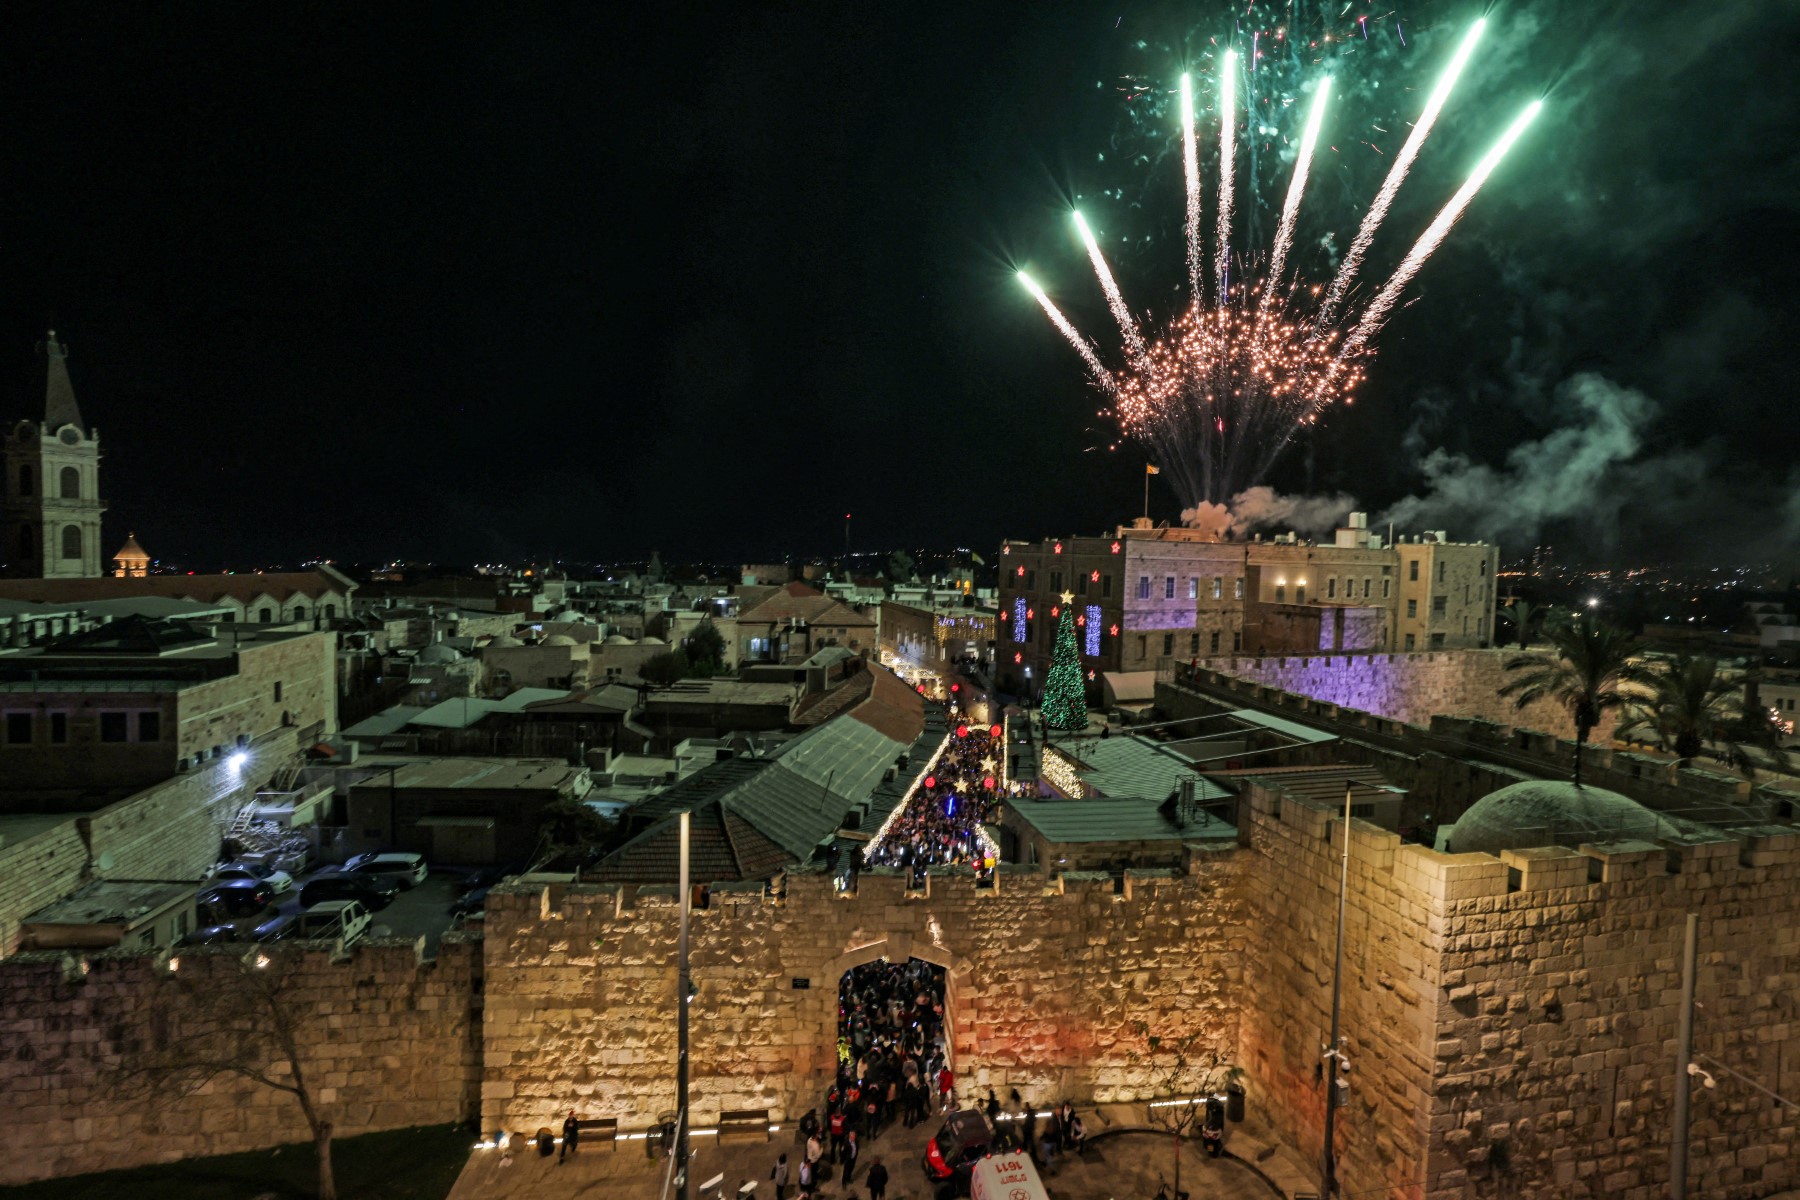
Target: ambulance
[1006, 1177]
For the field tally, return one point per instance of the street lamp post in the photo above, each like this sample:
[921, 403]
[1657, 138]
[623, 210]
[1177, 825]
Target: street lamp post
[1328, 1158]
[681, 1029]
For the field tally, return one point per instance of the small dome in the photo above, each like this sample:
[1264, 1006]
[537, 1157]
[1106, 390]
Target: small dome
[131, 551]
[558, 639]
[439, 654]
[1542, 812]
[504, 639]
[651, 640]
[618, 639]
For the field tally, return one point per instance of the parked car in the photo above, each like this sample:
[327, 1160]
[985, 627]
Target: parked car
[281, 881]
[334, 918]
[210, 935]
[276, 929]
[966, 1137]
[407, 869]
[375, 892]
[469, 903]
[236, 898]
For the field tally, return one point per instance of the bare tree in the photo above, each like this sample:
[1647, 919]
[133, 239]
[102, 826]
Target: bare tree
[1183, 1069]
[228, 1015]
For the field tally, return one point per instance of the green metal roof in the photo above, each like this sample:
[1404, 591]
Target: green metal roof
[1127, 767]
[1109, 821]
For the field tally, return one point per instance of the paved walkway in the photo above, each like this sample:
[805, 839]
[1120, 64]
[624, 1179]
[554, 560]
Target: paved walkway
[1125, 1160]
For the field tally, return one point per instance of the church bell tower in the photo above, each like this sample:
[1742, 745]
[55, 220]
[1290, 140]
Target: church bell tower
[50, 494]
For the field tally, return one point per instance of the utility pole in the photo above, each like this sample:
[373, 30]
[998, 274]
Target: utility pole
[1684, 1058]
[1328, 1158]
[681, 1029]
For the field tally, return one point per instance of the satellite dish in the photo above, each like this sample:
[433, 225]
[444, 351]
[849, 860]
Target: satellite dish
[104, 862]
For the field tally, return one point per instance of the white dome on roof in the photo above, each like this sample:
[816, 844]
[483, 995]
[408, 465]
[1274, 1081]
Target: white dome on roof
[438, 654]
[651, 640]
[558, 639]
[1541, 812]
[618, 639]
[505, 639]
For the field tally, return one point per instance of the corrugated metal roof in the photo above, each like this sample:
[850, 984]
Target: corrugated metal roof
[1293, 729]
[390, 720]
[464, 711]
[1121, 767]
[1111, 820]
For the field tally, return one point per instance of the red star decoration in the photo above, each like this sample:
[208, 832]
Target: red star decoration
[1115, 547]
[1115, 631]
[1059, 547]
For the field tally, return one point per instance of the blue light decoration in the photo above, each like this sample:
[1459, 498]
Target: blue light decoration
[949, 806]
[1093, 630]
[1018, 621]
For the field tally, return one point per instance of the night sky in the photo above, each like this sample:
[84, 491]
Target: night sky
[487, 282]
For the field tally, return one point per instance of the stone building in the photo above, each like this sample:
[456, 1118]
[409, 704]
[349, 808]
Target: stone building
[1147, 597]
[312, 599]
[796, 621]
[50, 502]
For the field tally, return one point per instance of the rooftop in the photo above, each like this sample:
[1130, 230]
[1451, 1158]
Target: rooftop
[113, 902]
[1112, 820]
[487, 774]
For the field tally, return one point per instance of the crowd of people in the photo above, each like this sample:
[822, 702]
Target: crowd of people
[941, 821]
[891, 1067]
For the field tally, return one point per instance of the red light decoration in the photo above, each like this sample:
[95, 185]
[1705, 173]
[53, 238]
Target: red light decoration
[1081, 620]
[1006, 548]
[1058, 547]
[1090, 675]
[921, 689]
[1031, 614]
[956, 687]
[996, 731]
[1115, 547]
[931, 781]
[1115, 631]
[1095, 577]
[1005, 615]
[962, 731]
[1018, 658]
[988, 783]
[1021, 570]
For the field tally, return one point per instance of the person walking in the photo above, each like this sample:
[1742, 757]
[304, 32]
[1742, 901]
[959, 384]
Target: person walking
[808, 1176]
[815, 1150]
[877, 1180]
[779, 1175]
[851, 1150]
[571, 1137]
[946, 1083]
[839, 1126]
[1030, 1130]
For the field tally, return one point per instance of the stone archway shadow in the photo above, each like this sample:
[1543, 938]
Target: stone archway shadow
[899, 947]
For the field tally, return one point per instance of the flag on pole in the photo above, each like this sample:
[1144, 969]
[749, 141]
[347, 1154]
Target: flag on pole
[1149, 469]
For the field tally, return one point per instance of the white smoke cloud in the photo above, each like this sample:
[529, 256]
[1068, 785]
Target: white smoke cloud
[1261, 508]
[1582, 472]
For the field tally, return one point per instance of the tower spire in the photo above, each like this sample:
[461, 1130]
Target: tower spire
[59, 394]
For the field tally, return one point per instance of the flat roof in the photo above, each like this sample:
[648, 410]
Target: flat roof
[464, 711]
[726, 691]
[1121, 767]
[112, 902]
[1112, 820]
[482, 773]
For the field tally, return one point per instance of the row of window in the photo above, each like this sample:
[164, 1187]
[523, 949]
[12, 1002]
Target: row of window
[115, 726]
[1168, 644]
[1217, 587]
[1413, 570]
[69, 479]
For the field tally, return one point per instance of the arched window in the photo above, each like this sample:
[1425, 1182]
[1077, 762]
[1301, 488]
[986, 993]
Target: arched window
[330, 611]
[71, 483]
[71, 541]
[26, 482]
[265, 615]
[299, 612]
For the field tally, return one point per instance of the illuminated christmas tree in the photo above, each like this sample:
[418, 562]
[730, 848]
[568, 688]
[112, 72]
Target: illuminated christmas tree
[1065, 696]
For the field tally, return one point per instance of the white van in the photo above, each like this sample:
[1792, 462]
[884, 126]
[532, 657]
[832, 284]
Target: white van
[332, 918]
[1006, 1177]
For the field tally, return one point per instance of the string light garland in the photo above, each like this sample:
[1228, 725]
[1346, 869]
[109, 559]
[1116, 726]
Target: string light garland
[1065, 699]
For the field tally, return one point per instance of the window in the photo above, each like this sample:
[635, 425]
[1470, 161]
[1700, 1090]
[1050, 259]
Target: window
[1215, 641]
[330, 611]
[1168, 587]
[299, 612]
[1412, 608]
[18, 729]
[149, 727]
[1193, 587]
[1368, 584]
[1142, 652]
[1193, 643]
[59, 728]
[1218, 587]
[1237, 588]
[1300, 594]
[1384, 588]
[25, 481]
[1143, 587]
[1437, 605]
[1483, 570]
[278, 691]
[1056, 582]
[71, 483]
[1081, 582]
[1031, 580]
[1168, 644]
[1237, 640]
[265, 615]
[1413, 569]
[1331, 588]
[1440, 572]
[25, 543]
[113, 727]
[1280, 593]
[1437, 641]
[1480, 627]
[71, 541]
[1409, 641]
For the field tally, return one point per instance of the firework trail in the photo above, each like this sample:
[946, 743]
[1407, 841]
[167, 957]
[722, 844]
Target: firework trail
[1390, 187]
[1284, 234]
[1223, 389]
[1101, 374]
[1190, 152]
[1114, 299]
[1434, 235]
[1227, 135]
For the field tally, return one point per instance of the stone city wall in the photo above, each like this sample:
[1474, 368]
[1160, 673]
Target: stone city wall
[387, 1041]
[1408, 688]
[1053, 984]
[170, 831]
[1511, 1021]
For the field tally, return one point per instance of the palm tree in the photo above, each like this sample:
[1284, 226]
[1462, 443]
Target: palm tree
[1531, 621]
[1684, 700]
[1588, 669]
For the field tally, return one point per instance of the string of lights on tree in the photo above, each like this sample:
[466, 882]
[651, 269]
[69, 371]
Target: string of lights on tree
[1065, 693]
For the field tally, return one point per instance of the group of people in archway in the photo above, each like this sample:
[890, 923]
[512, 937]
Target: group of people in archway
[942, 819]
